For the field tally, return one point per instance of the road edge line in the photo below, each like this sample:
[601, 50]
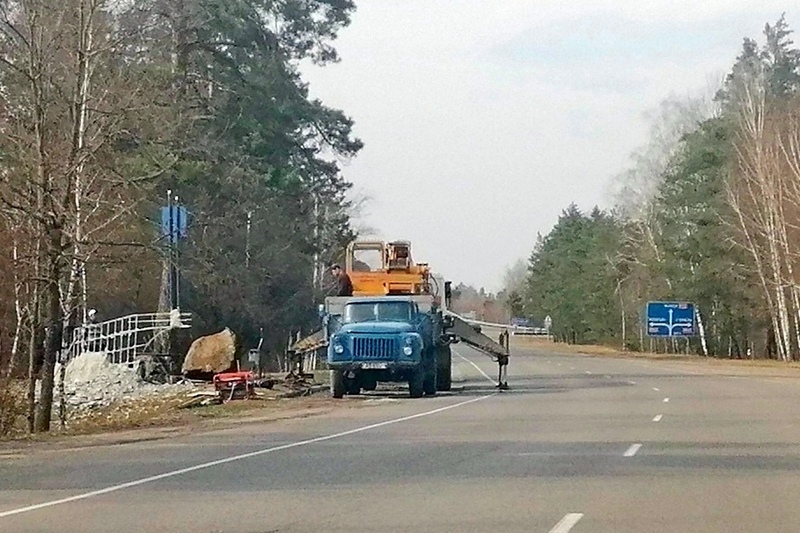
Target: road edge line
[487, 376]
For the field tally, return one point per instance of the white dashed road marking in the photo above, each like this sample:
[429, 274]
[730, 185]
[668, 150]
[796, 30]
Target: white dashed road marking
[657, 418]
[632, 450]
[567, 523]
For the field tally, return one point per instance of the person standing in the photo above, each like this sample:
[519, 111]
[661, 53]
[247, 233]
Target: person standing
[345, 285]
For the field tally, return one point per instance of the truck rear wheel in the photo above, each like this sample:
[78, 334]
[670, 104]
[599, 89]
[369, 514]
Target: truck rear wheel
[337, 383]
[444, 364]
[429, 381]
[415, 383]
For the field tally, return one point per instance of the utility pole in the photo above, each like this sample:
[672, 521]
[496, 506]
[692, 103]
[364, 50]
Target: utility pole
[247, 240]
[173, 230]
[170, 251]
[178, 228]
[317, 276]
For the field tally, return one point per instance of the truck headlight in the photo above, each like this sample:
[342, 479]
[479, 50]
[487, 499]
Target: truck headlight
[338, 348]
[408, 350]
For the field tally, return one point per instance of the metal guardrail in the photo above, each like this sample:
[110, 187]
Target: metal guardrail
[124, 339]
[514, 330]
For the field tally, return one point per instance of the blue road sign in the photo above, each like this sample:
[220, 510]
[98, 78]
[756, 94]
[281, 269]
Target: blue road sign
[174, 222]
[670, 319]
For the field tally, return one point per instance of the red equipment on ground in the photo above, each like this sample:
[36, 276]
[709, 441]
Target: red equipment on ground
[231, 383]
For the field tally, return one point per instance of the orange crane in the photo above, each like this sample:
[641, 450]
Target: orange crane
[395, 273]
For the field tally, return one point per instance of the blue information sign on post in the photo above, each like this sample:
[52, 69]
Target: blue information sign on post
[670, 319]
[174, 223]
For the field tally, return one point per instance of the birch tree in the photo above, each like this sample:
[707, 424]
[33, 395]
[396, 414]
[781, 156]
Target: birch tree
[72, 95]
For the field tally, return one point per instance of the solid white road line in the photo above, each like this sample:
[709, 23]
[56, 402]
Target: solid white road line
[487, 376]
[203, 466]
[567, 523]
[657, 418]
[666, 400]
[630, 452]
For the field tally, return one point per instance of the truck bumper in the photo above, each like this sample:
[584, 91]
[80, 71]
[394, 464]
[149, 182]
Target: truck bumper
[387, 366]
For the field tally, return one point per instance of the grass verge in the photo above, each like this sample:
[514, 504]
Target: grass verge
[737, 367]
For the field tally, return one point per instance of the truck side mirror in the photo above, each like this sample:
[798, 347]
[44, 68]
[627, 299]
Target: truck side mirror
[321, 310]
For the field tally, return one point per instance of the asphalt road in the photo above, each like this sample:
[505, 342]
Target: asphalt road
[580, 444]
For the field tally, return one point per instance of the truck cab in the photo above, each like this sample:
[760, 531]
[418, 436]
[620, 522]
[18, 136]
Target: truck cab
[389, 338]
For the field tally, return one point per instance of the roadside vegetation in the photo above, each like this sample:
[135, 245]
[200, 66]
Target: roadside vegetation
[708, 212]
[106, 106]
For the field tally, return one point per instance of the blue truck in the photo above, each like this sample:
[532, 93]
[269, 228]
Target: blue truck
[387, 339]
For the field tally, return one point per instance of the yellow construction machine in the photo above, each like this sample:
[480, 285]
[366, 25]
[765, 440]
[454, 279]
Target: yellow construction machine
[392, 271]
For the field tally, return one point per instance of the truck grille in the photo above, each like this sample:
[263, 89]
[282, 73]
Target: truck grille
[374, 348]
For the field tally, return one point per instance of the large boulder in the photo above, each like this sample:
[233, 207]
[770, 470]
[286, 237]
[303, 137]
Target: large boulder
[211, 354]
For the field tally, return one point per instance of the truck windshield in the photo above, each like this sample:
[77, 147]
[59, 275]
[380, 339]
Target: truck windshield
[377, 312]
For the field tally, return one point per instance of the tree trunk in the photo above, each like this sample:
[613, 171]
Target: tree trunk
[18, 312]
[34, 352]
[53, 319]
[702, 330]
[77, 278]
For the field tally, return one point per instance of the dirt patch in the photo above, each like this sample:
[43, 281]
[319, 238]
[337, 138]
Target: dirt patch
[160, 416]
[168, 423]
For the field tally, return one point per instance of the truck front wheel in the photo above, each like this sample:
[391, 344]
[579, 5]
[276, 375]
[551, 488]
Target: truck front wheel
[337, 383]
[353, 387]
[415, 383]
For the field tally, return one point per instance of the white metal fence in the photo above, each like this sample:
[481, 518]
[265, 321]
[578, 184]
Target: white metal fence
[124, 339]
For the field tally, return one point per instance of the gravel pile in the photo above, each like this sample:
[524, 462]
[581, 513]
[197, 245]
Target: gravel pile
[92, 382]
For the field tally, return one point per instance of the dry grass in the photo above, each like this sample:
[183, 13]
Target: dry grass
[156, 410]
[138, 417]
[743, 367]
[587, 349]
[165, 410]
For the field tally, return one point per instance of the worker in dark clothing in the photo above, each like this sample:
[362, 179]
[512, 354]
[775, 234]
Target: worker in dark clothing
[343, 280]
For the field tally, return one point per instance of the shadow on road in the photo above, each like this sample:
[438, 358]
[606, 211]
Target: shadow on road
[559, 383]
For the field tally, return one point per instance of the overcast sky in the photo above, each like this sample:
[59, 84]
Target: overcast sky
[482, 120]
